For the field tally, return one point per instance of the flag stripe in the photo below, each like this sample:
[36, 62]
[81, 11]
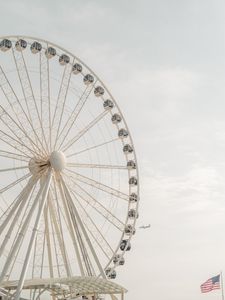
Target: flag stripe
[211, 284]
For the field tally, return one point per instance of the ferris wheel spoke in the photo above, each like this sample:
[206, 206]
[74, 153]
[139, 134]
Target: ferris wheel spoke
[99, 239]
[97, 236]
[75, 113]
[101, 209]
[57, 248]
[59, 236]
[93, 147]
[57, 213]
[9, 122]
[4, 139]
[14, 142]
[45, 97]
[15, 137]
[54, 246]
[87, 265]
[27, 89]
[97, 206]
[42, 202]
[18, 59]
[15, 156]
[96, 259]
[63, 96]
[99, 185]
[13, 169]
[61, 100]
[97, 166]
[14, 183]
[70, 227]
[11, 98]
[84, 130]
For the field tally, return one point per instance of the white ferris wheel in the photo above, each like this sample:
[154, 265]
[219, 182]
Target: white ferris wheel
[68, 176]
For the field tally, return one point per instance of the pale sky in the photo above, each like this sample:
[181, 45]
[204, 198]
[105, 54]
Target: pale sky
[164, 61]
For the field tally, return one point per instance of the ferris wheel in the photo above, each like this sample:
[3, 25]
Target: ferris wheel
[69, 187]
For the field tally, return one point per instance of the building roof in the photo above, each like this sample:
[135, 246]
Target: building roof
[80, 285]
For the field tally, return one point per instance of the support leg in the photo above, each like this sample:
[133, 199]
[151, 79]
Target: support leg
[33, 236]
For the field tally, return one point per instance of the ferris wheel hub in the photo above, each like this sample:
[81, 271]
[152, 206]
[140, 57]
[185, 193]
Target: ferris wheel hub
[57, 161]
[38, 166]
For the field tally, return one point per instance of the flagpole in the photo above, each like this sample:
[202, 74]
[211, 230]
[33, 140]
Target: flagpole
[221, 275]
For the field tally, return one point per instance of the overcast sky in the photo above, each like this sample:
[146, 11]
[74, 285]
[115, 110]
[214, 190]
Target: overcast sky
[164, 61]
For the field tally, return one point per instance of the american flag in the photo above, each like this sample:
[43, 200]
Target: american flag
[211, 284]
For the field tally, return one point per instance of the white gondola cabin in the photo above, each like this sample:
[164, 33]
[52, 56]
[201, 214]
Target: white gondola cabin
[76, 69]
[132, 214]
[50, 52]
[131, 165]
[125, 245]
[64, 59]
[99, 91]
[35, 47]
[129, 230]
[110, 273]
[122, 133]
[21, 45]
[133, 197]
[133, 181]
[5, 45]
[108, 104]
[88, 79]
[116, 119]
[127, 149]
[118, 259]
